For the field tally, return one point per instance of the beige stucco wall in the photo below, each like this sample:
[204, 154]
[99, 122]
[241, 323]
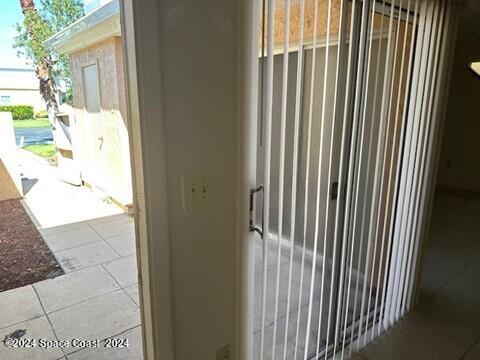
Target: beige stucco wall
[309, 21]
[114, 160]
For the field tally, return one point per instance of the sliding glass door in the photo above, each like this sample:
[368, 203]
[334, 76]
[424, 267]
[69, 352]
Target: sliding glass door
[333, 93]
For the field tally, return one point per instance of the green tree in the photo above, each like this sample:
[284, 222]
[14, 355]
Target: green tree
[38, 25]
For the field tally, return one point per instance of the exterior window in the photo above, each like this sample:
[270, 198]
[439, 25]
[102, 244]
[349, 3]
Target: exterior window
[5, 99]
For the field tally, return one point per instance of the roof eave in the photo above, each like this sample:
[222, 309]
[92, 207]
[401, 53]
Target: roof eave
[94, 27]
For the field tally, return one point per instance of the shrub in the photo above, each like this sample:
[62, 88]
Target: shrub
[42, 114]
[19, 112]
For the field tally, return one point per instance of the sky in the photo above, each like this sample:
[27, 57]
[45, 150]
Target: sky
[10, 14]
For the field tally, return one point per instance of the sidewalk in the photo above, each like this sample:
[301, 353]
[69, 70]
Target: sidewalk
[97, 298]
[52, 202]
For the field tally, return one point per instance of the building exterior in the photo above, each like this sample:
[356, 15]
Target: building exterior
[20, 86]
[99, 101]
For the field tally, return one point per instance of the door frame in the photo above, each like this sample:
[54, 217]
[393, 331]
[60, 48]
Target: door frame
[151, 233]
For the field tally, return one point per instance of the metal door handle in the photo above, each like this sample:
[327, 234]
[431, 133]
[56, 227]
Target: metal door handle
[334, 191]
[251, 226]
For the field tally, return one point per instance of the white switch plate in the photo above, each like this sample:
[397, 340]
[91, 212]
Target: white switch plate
[196, 192]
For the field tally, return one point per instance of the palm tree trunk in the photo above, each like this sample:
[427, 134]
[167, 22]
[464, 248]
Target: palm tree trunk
[48, 89]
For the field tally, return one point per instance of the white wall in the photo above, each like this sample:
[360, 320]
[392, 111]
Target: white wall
[459, 163]
[10, 181]
[22, 86]
[187, 63]
[24, 97]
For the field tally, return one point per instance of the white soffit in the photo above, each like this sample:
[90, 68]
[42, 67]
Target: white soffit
[96, 26]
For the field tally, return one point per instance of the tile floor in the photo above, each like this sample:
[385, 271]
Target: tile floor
[97, 298]
[297, 315]
[446, 324]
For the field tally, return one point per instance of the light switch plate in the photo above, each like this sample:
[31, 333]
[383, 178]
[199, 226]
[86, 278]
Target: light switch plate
[197, 193]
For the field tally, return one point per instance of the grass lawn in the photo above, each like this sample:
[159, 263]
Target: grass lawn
[43, 150]
[31, 123]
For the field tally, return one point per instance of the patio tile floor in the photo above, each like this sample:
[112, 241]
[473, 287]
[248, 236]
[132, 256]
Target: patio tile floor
[84, 256]
[133, 352]
[118, 226]
[19, 305]
[124, 245]
[71, 238]
[98, 318]
[38, 328]
[123, 270]
[96, 298]
[74, 287]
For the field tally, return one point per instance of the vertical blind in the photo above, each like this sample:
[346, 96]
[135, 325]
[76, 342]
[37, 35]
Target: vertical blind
[347, 92]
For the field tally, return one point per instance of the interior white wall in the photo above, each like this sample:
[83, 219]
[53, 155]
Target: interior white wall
[458, 166]
[187, 67]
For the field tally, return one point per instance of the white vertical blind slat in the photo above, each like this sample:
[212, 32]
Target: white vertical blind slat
[390, 266]
[345, 174]
[402, 136]
[400, 239]
[383, 122]
[427, 120]
[399, 285]
[307, 176]
[267, 153]
[433, 146]
[400, 255]
[327, 202]
[298, 99]
[317, 204]
[382, 139]
[337, 114]
[374, 220]
[281, 171]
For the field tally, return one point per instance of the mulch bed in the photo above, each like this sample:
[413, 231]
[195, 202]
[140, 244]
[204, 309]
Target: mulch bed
[24, 256]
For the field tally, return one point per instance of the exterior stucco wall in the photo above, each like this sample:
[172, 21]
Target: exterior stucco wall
[113, 161]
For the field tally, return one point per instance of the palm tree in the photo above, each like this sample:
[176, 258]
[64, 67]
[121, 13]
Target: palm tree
[33, 22]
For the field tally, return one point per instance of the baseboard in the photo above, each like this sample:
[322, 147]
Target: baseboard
[127, 208]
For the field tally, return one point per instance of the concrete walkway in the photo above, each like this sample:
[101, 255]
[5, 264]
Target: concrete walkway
[97, 298]
[52, 202]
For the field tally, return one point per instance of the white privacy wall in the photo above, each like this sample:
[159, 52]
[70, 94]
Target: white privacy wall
[187, 64]
[10, 181]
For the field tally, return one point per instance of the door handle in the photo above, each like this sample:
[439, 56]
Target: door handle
[334, 191]
[251, 225]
